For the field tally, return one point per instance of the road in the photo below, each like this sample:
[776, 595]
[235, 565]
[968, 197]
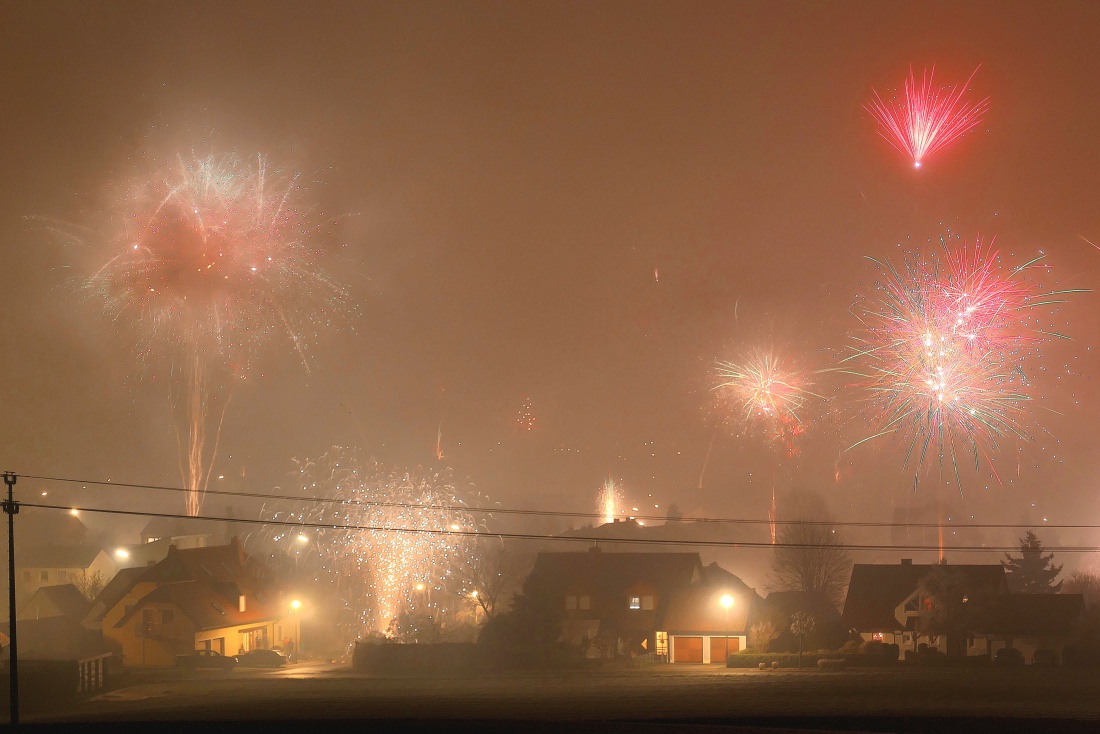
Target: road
[684, 698]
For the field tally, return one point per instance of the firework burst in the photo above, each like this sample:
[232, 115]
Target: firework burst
[942, 349]
[211, 260]
[926, 118]
[762, 392]
[394, 540]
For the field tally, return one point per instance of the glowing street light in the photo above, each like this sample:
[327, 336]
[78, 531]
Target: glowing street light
[295, 605]
[122, 554]
[727, 601]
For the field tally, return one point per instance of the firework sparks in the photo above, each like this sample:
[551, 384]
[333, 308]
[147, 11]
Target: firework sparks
[942, 350]
[404, 542]
[611, 495]
[761, 392]
[927, 118]
[211, 260]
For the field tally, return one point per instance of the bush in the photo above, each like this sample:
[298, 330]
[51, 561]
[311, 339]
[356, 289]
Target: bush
[1045, 658]
[872, 647]
[785, 660]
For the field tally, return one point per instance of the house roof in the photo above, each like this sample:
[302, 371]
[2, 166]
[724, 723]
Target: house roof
[876, 590]
[784, 604]
[204, 604]
[58, 556]
[614, 573]
[698, 608]
[66, 599]
[1035, 614]
[112, 593]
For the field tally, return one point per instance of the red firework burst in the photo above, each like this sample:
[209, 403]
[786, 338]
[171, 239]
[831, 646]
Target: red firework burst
[926, 118]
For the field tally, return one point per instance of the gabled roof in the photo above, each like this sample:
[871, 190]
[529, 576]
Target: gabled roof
[112, 593]
[698, 608]
[876, 590]
[1035, 614]
[57, 556]
[63, 600]
[603, 573]
[204, 604]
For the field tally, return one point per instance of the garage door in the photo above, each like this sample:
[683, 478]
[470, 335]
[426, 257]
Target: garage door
[688, 649]
[718, 648]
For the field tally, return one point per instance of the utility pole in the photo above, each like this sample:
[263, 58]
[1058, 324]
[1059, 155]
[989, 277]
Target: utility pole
[10, 508]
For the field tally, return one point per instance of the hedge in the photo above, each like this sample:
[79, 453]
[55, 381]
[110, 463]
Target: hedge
[809, 660]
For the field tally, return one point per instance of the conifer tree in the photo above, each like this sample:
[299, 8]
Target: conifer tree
[1032, 572]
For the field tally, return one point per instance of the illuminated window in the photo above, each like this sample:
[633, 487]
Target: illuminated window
[877, 636]
[647, 603]
[570, 602]
[635, 602]
[662, 643]
[584, 602]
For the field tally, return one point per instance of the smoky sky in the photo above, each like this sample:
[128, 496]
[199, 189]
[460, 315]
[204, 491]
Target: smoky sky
[575, 207]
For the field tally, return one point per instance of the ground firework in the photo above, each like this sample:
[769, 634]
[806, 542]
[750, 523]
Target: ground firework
[610, 498]
[926, 118]
[942, 350]
[211, 259]
[392, 545]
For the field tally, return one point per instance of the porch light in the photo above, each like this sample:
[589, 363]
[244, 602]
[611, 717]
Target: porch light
[726, 601]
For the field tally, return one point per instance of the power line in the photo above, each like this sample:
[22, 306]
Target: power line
[556, 513]
[561, 538]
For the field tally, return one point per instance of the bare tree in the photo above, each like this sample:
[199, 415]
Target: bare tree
[1085, 583]
[762, 634]
[90, 586]
[802, 624]
[809, 558]
[494, 572]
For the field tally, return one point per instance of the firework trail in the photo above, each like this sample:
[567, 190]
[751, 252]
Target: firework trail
[210, 261]
[927, 118]
[610, 497]
[942, 348]
[407, 539]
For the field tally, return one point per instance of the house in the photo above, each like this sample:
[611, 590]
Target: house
[214, 598]
[50, 565]
[704, 624]
[64, 600]
[624, 603]
[885, 603]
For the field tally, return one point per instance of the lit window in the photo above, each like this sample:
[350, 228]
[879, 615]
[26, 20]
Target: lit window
[584, 602]
[647, 603]
[570, 602]
[662, 643]
[635, 602]
[877, 637]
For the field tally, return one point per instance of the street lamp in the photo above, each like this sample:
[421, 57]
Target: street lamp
[295, 605]
[727, 601]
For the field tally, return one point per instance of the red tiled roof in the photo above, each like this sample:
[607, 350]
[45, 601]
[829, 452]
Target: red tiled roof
[203, 604]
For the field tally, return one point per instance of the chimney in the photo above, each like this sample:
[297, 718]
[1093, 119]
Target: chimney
[907, 561]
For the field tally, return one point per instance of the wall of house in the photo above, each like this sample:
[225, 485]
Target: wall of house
[237, 639]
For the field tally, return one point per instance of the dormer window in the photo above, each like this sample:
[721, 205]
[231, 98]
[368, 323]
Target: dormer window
[635, 602]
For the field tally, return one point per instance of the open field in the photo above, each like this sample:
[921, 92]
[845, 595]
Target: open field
[649, 699]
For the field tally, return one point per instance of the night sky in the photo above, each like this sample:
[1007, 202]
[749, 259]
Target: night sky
[571, 209]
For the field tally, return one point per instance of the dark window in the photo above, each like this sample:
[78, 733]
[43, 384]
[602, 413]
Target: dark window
[44, 576]
[167, 616]
[584, 602]
[147, 616]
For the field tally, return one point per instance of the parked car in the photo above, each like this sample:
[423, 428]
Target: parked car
[1008, 657]
[206, 659]
[261, 659]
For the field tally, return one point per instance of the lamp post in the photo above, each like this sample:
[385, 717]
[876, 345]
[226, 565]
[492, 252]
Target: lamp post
[295, 605]
[727, 601]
